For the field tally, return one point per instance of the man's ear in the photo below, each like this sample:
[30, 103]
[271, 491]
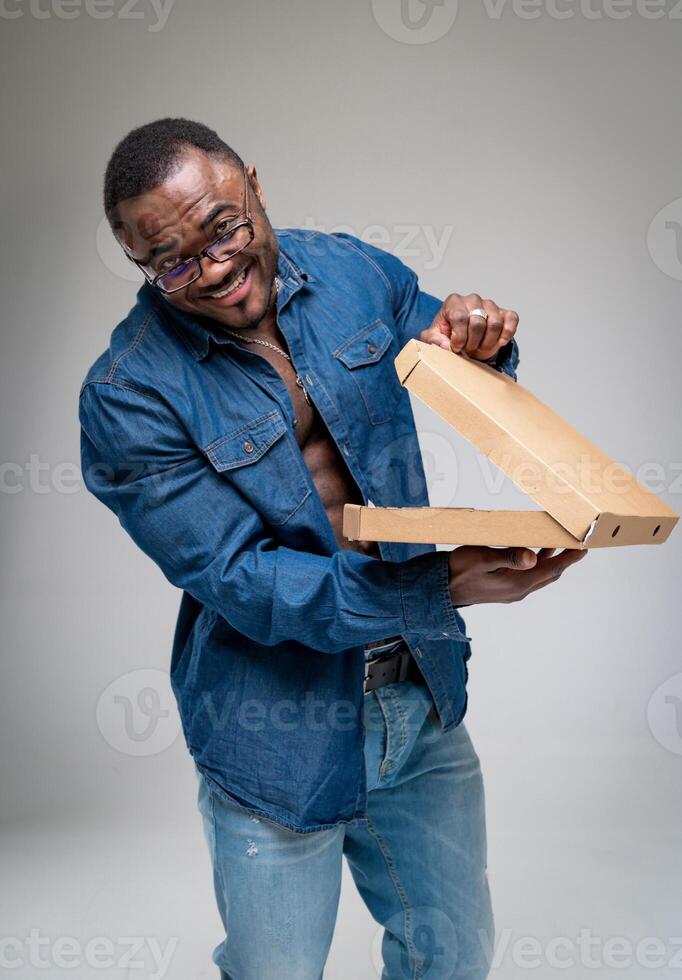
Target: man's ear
[258, 190]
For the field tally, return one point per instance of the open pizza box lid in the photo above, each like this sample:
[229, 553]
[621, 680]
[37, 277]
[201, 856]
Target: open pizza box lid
[587, 500]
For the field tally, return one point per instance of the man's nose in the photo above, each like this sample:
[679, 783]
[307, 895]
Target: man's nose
[213, 273]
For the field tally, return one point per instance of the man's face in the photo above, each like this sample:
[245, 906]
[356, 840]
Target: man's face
[180, 217]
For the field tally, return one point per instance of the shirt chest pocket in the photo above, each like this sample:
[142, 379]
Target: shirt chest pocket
[368, 357]
[263, 462]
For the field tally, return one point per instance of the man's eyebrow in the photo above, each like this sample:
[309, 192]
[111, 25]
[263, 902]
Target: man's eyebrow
[160, 249]
[156, 250]
[214, 212]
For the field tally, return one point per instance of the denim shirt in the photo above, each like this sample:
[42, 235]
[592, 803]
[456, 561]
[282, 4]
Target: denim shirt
[188, 438]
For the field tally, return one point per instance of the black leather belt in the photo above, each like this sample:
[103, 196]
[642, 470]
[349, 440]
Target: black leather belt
[388, 668]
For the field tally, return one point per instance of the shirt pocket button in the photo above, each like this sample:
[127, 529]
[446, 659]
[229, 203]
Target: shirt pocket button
[248, 447]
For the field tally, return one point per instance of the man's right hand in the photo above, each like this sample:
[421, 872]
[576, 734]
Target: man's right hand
[479, 575]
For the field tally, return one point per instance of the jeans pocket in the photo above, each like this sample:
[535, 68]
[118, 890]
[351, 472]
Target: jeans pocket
[375, 739]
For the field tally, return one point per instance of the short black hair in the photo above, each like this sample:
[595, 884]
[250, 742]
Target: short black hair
[147, 156]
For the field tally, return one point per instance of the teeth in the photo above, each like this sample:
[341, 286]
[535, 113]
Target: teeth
[239, 281]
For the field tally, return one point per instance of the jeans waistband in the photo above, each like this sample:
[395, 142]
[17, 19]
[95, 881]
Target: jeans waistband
[378, 648]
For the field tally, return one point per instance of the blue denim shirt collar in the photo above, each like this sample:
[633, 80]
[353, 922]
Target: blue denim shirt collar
[198, 332]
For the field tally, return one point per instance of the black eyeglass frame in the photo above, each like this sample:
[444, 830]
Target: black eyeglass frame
[205, 252]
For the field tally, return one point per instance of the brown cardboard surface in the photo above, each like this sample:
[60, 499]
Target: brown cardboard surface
[456, 525]
[589, 500]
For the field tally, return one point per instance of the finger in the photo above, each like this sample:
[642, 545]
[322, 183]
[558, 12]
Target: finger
[490, 342]
[570, 556]
[435, 335]
[440, 321]
[493, 559]
[561, 561]
[544, 553]
[510, 323]
[551, 569]
[521, 581]
[456, 314]
[476, 324]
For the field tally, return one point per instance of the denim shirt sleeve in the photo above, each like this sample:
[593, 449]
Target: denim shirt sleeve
[209, 541]
[413, 309]
[507, 359]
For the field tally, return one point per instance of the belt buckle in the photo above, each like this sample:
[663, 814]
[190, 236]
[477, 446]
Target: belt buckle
[368, 665]
[373, 660]
[404, 664]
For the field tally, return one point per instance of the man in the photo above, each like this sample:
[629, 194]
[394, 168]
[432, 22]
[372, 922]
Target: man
[248, 395]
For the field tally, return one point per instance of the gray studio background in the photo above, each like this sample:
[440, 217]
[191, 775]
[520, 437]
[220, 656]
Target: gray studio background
[531, 152]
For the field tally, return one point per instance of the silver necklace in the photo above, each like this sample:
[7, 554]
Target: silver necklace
[278, 350]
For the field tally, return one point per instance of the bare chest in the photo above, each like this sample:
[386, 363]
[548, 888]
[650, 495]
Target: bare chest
[329, 472]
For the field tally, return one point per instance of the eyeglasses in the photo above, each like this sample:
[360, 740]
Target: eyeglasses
[236, 238]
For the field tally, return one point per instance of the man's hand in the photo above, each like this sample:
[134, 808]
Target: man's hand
[454, 328]
[480, 574]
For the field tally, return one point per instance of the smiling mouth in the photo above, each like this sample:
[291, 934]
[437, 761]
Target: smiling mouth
[232, 287]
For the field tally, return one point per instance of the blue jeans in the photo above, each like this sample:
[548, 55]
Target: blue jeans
[419, 864]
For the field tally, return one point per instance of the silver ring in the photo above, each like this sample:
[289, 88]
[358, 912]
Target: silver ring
[479, 312]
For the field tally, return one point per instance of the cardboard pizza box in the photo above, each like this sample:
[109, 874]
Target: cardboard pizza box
[587, 500]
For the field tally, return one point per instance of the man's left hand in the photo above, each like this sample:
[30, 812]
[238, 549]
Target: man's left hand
[455, 328]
